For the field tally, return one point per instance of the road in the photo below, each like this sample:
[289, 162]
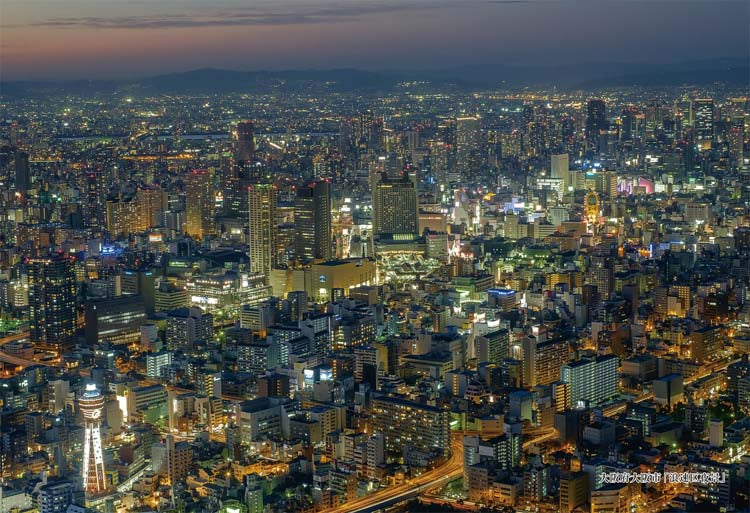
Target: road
[448, 471]
[445, 473]
[14, 360]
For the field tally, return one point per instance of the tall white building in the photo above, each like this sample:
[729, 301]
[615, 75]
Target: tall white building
[155, 362]
[591, 380]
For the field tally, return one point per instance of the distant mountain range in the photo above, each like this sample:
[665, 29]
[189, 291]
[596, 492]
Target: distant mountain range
[733, 72]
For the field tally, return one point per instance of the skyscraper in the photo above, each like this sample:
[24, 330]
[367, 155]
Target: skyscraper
[91, 404]
[394, 206]
[23, 176]
[312, 220]
[703, 122]
[95, 189]
[628, 127]
[369, 132]
[199, 203]
[560, 169]
[245, 150]
[737, 139]
[467, 144]
[151, 202]
[262, 227]
[596, 120]
[52, 303]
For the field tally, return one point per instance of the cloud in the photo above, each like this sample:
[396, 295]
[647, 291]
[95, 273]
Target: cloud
[272, 13]
[279, 14]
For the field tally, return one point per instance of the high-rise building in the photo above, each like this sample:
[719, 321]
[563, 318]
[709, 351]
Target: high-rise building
[133, 214]
[394, 206]
[52, 303]
[574, 491]
[601, 275]
[156, 362]
[703, 122]
[369, 132]
[55, 497]
[407, 423]
[560, 169]
[312, 221]
[199, 203]
[91, 404]
[116, 320]
[95, 189]
[179, 457]
[185, 326]
[23, 174]
[122, 215]
[736, 139]
[628, 125]
[542, 360]
[468, 132]
[493, 347]
[262, 233]
[152, 201]
[596, 120]
[592, 380]
[245, 151]
[366, 364]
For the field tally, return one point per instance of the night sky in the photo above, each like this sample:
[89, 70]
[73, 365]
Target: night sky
[64, 39]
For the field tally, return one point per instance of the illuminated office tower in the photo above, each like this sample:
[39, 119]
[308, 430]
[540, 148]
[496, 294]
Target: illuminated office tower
[151, 202]
[439, 158]
[312, 220]
[703, 122]
[468, 131]
[542, 360]
[245, 149]
[199, 203]
[596, 120]
[52, 303]
[262, 227]
[737, 139]
[122, 215]
[369, 133]
[394, 206]
[95, 190]
[91, 404]
[560, 169]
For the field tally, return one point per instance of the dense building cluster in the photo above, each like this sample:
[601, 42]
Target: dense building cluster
[305, 302]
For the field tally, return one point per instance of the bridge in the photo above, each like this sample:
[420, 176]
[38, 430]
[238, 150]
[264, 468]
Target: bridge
[14, 360]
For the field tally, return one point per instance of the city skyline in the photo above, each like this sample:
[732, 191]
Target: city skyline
[53, 40]
[338, 256]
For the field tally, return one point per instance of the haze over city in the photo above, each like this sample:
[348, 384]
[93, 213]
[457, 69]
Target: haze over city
[113, 39]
